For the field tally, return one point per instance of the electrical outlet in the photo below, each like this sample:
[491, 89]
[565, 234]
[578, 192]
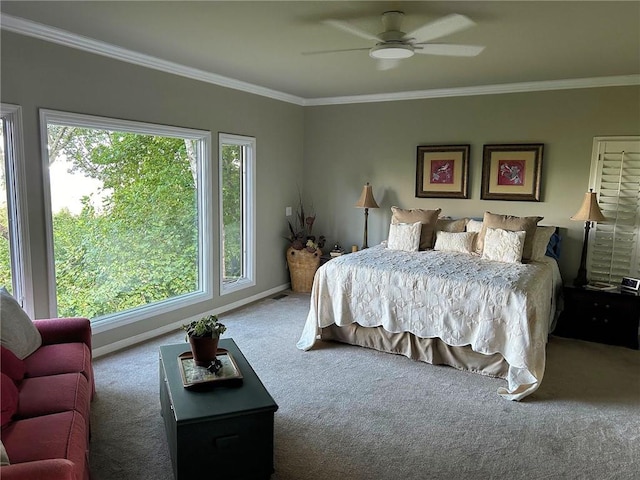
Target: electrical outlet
[287, 211]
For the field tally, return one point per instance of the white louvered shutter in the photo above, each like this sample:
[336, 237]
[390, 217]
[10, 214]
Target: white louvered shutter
[614, 245]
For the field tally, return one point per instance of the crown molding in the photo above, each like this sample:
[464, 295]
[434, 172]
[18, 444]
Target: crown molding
[80, 42]
[613, 81]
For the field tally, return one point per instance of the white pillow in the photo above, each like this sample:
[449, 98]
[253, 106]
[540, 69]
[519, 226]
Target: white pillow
[404, 236]
[4, 458]
[454, 242]
[503, 245]
[18, 333]
[540, 242]
[474, 225]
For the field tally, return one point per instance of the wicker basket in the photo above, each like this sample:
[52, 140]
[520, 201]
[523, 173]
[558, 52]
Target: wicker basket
[302, 267]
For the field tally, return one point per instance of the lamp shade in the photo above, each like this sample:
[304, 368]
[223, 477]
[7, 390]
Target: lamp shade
[590, 210]
[366, 199]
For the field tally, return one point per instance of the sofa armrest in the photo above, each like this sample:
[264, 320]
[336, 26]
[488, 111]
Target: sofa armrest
[64, 330]
[52, 469]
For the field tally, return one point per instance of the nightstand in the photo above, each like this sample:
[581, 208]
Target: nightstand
[327, 257]
[607, 317]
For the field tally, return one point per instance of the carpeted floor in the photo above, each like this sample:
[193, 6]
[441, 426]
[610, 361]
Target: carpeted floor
[351, 413]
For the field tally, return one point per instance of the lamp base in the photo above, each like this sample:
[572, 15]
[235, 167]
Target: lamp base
[581, 278]
[366, 228]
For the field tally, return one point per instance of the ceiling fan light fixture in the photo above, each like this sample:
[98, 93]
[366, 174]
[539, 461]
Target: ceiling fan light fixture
[393, 44]
[394, 52]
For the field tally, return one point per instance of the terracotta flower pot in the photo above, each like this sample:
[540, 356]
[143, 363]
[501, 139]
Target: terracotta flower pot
[204, 349]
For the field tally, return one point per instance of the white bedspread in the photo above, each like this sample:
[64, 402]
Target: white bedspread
[495, 307]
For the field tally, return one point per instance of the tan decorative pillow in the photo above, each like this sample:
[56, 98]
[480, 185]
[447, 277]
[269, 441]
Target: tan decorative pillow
[512, 224]
[427, 218]
[452, 226]
[540, 241]
[503, 245]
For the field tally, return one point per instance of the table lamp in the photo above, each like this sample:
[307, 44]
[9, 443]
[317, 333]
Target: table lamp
[589, 212]
[366, 201]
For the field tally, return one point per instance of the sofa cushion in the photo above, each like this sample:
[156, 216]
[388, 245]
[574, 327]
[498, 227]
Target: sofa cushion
[11, 365]
[54, 394]
[64, 330]
[60, 358]
[18, 333]
[56, 436]
[9, 398]
[53, 468]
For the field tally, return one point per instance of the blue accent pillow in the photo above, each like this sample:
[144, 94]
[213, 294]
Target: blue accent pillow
[554, 246]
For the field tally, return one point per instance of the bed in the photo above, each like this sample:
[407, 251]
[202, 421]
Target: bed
[456, 308]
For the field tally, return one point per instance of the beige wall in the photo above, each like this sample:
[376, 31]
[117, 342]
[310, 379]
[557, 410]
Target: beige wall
[37, 75]
[348, 145]
[331, 151]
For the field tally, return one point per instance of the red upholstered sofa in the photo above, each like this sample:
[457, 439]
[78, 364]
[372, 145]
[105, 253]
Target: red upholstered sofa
[46, 404]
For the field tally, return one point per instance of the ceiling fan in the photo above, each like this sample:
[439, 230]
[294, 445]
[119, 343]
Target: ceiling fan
[393, 44]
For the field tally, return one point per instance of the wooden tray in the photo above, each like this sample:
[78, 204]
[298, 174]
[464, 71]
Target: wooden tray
[194, 376]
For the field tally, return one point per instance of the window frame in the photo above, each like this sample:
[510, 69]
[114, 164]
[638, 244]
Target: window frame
[17, 207]
[204, 202]
[248, 215]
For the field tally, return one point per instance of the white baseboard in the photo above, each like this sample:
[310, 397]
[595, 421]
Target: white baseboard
[156, 332]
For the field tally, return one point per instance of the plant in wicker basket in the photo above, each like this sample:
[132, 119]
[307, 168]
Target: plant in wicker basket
[301, 235]
[305, 249]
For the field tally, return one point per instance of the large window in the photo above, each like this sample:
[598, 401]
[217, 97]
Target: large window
[6, 240]
[614, 248]
[129, 226]
[14, 252]
[237, 207]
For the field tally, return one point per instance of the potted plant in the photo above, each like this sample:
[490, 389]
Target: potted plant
[304, 252]
[203, 336]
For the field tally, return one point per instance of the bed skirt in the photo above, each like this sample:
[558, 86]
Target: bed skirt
[429, 350]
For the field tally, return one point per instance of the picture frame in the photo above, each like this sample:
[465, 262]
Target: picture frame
[442, 171]
[512, 172]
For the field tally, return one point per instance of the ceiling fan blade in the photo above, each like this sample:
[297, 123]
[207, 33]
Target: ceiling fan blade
[441, 27]
[319, 52]
[387, 63]
[352, 29]
[448, 49]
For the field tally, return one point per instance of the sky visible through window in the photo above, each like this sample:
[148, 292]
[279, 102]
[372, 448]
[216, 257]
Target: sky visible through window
[68, 188]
